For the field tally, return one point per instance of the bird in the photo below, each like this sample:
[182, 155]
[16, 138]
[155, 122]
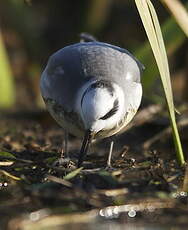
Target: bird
[92, 89]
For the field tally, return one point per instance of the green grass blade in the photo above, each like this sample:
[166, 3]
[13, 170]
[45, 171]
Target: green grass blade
[7, 92]
[167, 85]
[153, 31]
[165, 77]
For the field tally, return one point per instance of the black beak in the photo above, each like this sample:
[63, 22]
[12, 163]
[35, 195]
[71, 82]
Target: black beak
[85, 146]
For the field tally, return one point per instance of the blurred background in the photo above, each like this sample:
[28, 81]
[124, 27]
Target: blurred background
[30, 143]
[31, 30]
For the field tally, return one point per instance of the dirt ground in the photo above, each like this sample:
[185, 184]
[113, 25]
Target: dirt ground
[144, 187]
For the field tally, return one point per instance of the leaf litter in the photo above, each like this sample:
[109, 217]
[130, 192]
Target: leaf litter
[149, 186]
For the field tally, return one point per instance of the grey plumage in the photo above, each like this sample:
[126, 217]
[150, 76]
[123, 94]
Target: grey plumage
[70, 67]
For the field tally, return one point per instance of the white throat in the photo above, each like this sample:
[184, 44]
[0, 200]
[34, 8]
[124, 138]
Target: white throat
[101, 108]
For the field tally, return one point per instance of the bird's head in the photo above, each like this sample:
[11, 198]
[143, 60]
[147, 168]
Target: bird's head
[101, 105]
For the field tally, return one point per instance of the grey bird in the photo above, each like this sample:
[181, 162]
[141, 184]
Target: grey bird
[92, 89]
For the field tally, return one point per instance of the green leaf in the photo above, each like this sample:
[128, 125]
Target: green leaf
[7, 154]
[154, 34]
[72, 174]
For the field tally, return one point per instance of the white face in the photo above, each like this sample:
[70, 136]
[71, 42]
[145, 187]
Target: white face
[101, 108]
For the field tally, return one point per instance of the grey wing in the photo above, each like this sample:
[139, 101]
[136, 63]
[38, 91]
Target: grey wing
[62, 77]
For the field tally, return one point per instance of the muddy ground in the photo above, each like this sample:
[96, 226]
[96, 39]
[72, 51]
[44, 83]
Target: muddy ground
[144, 187]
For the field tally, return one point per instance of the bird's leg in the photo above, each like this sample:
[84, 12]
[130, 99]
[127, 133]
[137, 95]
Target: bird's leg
[109, 165]
[64, 157]
[85, 146]
[64, 151]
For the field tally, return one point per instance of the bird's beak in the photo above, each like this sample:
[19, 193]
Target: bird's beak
[85, 145]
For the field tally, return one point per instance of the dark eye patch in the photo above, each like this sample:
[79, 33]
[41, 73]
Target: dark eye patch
[112, 111]
[103, 84]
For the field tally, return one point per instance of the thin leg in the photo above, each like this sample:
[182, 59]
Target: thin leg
[64, 151]
[110, 155]
[66, 146]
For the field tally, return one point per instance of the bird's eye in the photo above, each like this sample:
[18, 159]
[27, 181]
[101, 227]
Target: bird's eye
[112, 111]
